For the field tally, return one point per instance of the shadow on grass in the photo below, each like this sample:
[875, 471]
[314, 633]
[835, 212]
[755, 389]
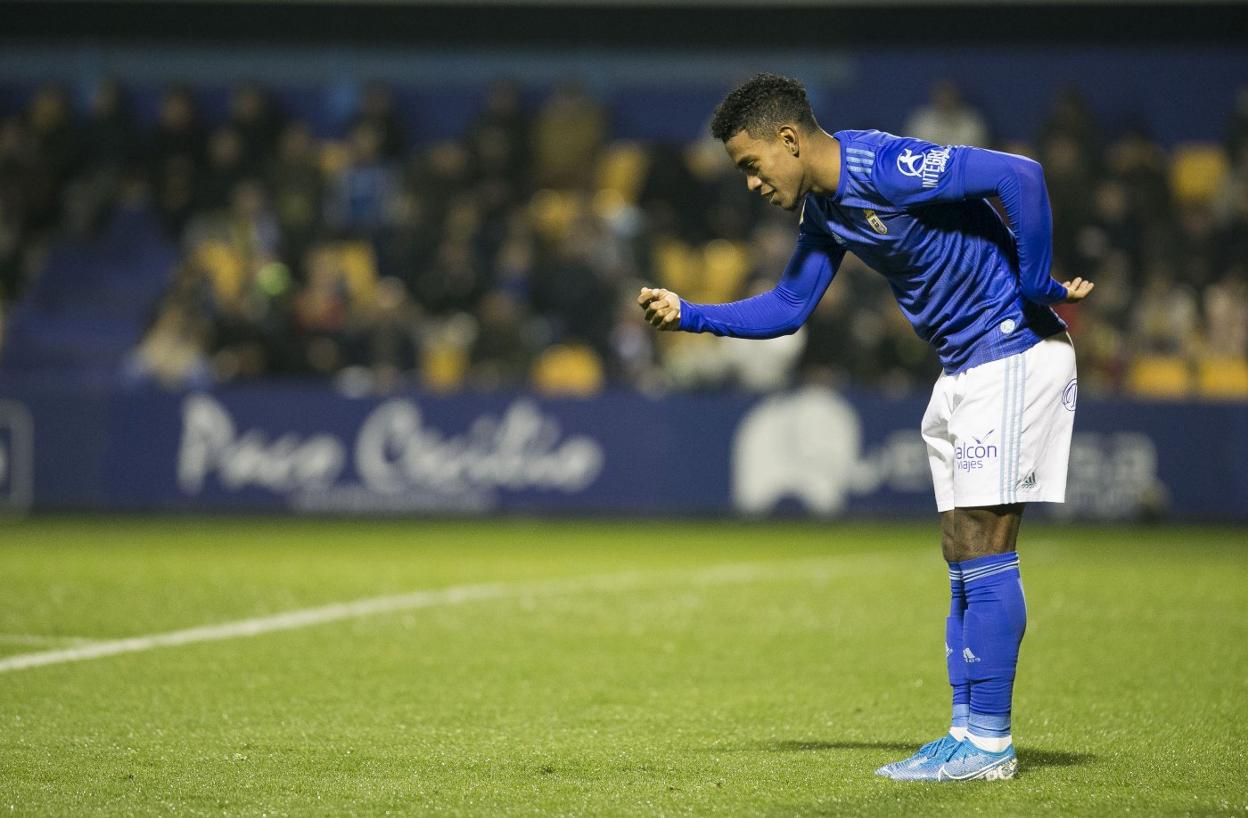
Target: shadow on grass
[1031, 757]
[815, 746]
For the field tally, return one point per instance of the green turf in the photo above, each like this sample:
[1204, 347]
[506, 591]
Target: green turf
[775, 690]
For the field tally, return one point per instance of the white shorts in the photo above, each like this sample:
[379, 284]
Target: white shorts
[999, 432]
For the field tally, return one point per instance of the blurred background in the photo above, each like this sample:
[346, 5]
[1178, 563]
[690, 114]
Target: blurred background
[382, 258]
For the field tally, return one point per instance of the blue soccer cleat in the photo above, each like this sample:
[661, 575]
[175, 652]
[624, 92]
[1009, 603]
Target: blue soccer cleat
[964, 762]
[942, 747]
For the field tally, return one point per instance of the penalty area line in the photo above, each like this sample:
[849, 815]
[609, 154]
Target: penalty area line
[371, 606]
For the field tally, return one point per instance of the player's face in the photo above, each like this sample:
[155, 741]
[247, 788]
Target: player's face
[771, 166]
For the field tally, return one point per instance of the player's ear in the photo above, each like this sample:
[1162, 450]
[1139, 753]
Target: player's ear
[790, 138]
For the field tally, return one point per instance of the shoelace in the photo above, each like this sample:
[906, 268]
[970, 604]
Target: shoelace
[943, 745]
[960, 750]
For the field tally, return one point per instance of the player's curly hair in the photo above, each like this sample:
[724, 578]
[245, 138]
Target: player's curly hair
[762, 104]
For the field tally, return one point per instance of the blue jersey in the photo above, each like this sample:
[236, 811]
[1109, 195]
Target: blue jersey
[918, 213]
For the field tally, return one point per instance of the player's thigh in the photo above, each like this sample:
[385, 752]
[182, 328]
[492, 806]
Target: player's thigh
[980, 429]
[940, 449]
[1012, 429]
[1048, 422]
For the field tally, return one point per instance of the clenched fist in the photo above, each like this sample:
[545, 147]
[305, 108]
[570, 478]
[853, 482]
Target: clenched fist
[662, 308]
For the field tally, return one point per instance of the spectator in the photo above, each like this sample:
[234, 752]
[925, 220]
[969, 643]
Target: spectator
[947, 119]
[297, 191]
[111, 134]
[504, 348]
[378, 112]
[178, 135]
[361, 196]
[226, 167]
[567, 136]
[384, 340]
[258, 122]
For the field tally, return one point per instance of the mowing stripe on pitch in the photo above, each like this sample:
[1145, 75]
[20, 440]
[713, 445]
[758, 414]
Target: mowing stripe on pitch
[456, 595]
[38, 639]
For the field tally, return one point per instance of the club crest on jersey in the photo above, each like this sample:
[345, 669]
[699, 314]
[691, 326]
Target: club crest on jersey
[877, 224]
[928, 166]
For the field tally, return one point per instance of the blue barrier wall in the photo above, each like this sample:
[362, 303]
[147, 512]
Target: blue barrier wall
[306, 449]
[668, 95]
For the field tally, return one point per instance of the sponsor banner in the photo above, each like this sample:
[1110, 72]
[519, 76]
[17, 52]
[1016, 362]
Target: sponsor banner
[305, 449]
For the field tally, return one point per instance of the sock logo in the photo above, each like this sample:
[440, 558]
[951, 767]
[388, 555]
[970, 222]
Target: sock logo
[968, 656]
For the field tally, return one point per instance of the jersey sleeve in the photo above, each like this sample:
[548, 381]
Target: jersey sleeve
[779, 311]
[911, 172]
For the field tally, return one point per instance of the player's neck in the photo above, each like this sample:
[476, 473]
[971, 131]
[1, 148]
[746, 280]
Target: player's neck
[824, 163]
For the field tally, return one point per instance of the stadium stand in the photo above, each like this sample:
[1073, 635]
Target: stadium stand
[195, 249]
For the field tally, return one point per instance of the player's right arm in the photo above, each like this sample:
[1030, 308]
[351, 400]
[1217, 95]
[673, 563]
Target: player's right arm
[779, 311]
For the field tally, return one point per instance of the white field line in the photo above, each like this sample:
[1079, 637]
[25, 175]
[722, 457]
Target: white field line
[455, 595]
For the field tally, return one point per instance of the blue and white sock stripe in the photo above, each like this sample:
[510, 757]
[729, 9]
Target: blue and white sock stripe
[990, 570]
[989, 726]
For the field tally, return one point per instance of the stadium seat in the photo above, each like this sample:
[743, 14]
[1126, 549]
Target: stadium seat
[1164, 377]
[676, 266]
[223, 266]
[444, 366]
[1196, 172]
[553, 213]
[1222, 378]
[724, 267]
[571, 369]
[359, 270]
[622, 168]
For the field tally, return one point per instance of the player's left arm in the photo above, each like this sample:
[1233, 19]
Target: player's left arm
[913, 172]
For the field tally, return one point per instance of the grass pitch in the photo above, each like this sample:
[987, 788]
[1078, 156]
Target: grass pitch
[649, 679]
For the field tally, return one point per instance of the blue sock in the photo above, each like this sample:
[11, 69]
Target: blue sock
[953, 654]
[992, 630]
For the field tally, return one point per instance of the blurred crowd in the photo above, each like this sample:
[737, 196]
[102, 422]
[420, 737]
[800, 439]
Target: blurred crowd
[511, 256]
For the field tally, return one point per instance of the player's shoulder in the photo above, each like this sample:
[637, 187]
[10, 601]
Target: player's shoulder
[892, 164]
[861, 135]
[859, 152]
[870, 139]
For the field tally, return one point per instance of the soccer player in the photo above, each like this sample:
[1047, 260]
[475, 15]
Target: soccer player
[999, 422]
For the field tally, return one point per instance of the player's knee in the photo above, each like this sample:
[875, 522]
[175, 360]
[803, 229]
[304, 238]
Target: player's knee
[967, 533]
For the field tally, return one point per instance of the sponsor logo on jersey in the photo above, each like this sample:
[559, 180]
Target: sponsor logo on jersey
[927, 166]
[877, 224]
[910, 163]
[971, 455]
